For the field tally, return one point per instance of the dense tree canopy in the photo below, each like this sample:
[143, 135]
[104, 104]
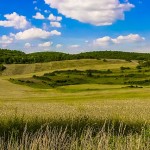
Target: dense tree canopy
[18, 57]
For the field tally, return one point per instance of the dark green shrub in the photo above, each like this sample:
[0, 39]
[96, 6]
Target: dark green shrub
[28, 81]
[104, 60]
[138, 67]
[124, 68]
[109, 71]
[89, 73]
[2, 67]
[128, 60]
[34, 76]
[146, 64]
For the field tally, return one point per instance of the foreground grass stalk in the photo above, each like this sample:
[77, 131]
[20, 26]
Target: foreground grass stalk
[79, 133]
[52, 139]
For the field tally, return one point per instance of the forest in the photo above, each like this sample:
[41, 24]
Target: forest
[19, 57]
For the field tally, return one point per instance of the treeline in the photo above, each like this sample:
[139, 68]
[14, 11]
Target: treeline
[18, 57]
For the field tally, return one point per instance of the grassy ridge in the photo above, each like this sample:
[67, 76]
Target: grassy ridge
[83, 64]
[128, 77]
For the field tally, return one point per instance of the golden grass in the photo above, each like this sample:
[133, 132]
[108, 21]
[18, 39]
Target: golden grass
[125, 110]
[52, 139]
[100, 101]
[97, 102]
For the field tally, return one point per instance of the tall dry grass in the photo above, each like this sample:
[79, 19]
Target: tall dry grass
[108, 125]
[79, 133]
[59, 139]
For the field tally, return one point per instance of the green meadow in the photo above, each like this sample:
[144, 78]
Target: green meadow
[75, 105]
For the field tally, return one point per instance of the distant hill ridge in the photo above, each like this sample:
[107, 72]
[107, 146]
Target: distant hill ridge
[18, 57]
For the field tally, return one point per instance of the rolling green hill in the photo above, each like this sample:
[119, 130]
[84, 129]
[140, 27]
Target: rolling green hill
[82, 64]
[91, 102]
[18, 57]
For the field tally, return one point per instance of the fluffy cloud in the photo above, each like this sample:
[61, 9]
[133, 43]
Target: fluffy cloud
[5, 40]
[46, 44]
[39, 16]
[55, 24]
[14, 20]
[54, 18]
[129, 38]
[27, 45]
[96, 12]
[55, 32]
[105, 41]
[35, 33]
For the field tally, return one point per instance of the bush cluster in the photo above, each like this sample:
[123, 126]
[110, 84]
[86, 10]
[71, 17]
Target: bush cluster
[2, 67]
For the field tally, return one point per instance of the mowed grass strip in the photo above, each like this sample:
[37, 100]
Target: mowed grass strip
[23, 69]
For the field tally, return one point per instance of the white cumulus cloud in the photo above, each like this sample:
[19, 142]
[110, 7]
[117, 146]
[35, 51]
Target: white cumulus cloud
[34, 33]
[38, 16]
[96, 12]
[27, 45]
[6, 40]
[54, 18]
[55, 32]
[55, 24]
[129, 38]
[14, 20]
[46, 44]
[105, 41]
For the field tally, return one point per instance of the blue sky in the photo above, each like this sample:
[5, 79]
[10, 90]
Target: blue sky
[75, 26]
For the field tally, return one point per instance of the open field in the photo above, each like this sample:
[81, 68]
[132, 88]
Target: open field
[24, 69]
[90, 114]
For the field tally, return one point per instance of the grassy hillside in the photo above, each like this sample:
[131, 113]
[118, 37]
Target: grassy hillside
[127, 77]
[99, 116]
[23, 69]
[80, 93]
